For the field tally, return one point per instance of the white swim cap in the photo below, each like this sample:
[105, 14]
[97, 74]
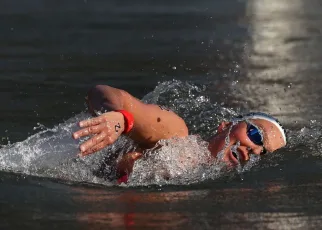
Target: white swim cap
[264, 116]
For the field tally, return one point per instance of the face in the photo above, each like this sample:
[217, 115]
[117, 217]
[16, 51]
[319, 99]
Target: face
[272, 140]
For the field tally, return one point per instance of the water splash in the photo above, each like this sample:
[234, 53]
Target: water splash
[308, 137]
[53, 153]
[179, 161]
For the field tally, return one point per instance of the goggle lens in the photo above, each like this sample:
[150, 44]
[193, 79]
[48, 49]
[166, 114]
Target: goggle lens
[254, 135]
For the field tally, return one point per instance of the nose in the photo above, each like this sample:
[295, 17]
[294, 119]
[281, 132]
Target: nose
[257, 150]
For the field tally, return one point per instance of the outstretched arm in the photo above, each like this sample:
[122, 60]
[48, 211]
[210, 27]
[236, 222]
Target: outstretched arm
[151, 122]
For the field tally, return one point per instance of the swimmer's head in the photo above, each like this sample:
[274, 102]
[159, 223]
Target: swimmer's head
[253, 133]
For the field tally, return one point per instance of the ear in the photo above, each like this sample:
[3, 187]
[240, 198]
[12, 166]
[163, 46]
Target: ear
[223, 125]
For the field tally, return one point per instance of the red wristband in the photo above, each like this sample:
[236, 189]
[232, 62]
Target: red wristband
[128, 120]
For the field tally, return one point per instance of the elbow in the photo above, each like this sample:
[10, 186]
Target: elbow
[180, 130]
[184, 132]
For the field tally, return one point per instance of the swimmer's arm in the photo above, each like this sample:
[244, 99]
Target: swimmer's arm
[125, 164]
[151, 122]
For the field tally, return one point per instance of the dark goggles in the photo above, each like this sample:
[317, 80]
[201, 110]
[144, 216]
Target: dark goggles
[255, 135]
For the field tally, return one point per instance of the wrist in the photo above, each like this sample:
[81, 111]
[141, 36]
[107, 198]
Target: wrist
[128, 120]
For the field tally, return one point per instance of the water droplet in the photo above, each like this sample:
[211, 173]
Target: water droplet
[234, 83]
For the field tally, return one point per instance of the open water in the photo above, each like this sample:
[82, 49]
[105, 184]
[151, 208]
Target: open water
[208, 60]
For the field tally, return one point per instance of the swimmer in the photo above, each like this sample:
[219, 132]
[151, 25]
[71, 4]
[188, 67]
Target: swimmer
[119, 113]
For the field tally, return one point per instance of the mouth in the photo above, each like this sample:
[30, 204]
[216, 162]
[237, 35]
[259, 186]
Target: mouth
[238, 156]
[234, 155]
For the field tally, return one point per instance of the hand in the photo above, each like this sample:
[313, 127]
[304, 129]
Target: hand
[105, 129]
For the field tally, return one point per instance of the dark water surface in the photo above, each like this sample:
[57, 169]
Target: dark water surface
[250, 55]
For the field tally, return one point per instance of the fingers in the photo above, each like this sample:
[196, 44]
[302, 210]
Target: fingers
[100, 130]
[89, 130]
[91, 122]
[95, 140]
